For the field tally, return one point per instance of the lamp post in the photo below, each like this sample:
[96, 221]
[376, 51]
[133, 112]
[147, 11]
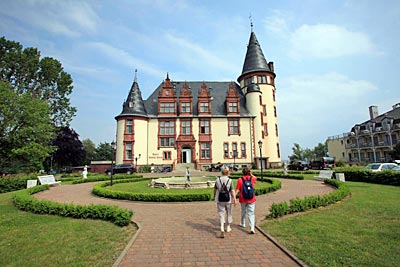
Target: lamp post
[136, 158]
[113, 146]
[234, 159]
[260, 146]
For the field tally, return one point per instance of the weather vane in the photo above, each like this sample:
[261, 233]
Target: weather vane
[251, 22]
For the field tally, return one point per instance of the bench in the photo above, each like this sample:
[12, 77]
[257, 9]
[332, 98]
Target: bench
[31, 183]
[324, 174]
[48, 179]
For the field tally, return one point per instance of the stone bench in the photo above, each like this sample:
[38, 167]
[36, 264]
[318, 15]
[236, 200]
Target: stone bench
[324, 174]
[31, 183]
[48, 179]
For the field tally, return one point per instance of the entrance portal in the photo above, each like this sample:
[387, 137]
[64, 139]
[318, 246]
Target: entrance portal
[186, 155]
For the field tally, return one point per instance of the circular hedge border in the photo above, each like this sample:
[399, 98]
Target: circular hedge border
[100, 189]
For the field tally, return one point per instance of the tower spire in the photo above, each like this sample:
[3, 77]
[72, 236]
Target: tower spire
[135, 80]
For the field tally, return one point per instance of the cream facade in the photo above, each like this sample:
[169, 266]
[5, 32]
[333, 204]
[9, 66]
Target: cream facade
[204, 123]
[369, 141]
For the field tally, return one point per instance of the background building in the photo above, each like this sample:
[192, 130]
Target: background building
[370, 141]
[199, 123]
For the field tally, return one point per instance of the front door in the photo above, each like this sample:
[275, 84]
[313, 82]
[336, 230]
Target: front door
[186, 155]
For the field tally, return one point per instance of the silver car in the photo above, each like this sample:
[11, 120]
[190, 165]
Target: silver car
[378, 167]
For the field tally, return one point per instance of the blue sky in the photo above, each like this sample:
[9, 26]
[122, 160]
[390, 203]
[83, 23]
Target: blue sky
[333, 59]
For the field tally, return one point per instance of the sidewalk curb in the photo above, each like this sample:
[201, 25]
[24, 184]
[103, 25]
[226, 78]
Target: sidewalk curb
[127, 247]
[281, 247]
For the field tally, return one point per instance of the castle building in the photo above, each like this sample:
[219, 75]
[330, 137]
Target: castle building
[200, 123]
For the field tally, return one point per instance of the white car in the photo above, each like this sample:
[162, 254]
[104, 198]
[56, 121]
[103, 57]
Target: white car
[378, 167]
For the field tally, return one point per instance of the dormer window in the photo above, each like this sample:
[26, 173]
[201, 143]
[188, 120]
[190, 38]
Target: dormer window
[233, 107]
[204, 107]
[185, 107]
[167, 107]
[167, 92]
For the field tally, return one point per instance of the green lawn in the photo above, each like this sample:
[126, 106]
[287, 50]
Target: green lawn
[362, 231]
[40, 240]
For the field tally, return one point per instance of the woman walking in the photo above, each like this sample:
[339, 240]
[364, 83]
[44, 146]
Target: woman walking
[247, 198]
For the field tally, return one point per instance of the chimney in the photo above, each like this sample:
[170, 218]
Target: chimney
[373, 112]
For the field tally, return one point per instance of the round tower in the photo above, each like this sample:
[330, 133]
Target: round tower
[131, 126]
[258, 84]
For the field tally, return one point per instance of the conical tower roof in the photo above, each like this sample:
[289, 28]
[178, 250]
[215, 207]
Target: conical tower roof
[134, 105]
[254, 60]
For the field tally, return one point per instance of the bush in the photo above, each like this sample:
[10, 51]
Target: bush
[101, 189]
[357, 174]
[97, 178]
[310, 202]
[24, 200]
[277, 175]
[14, 182]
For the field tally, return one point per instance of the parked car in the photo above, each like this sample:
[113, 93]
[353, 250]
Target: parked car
[378, 167]
[122, 168]
[299, 166]
[322, 163]
[396, 169]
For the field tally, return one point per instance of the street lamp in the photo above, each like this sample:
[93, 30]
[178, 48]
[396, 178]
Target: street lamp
[136, 158]
[260, 146]
[113, 146]
[234, 159]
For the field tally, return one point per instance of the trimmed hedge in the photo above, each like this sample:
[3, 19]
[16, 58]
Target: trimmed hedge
[237, 175]
[310, 202]
[11, 183]
[366, 176]
[97, 178]
[24, 200]
[101, 189]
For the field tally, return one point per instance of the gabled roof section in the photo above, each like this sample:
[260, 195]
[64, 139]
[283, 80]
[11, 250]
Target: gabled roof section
[134, 105]
[217, 91]
[254, 60]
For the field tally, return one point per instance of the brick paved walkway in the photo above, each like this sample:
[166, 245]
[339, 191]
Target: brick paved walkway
[186, 234]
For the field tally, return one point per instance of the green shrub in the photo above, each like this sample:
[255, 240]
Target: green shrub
[310, 202]
[357, 174]
[14, 182]
[103, 177]
[103, 190]
[24, 200]
[144, 169]
[277, 175]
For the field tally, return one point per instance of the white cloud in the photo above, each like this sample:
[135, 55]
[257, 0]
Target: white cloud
[313, 107]
[123, 57]
[328, 41]
[69, 18]
[195, 56]
[277, 22]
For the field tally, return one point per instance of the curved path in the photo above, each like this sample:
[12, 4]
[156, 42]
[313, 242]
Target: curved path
[186, 234]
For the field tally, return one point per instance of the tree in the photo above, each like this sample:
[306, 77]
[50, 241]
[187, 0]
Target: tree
[25, 130]
[297, 153]
[320, 150]
[40, 78]
[103, 151]
[70, 150]
[90, 150]
[395, 153]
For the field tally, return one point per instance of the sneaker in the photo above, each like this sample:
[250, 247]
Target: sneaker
[228, 229]
[222, 235]
[252, 231]
[242, 225]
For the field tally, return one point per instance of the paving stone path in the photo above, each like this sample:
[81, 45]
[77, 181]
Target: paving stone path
[186, 234]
